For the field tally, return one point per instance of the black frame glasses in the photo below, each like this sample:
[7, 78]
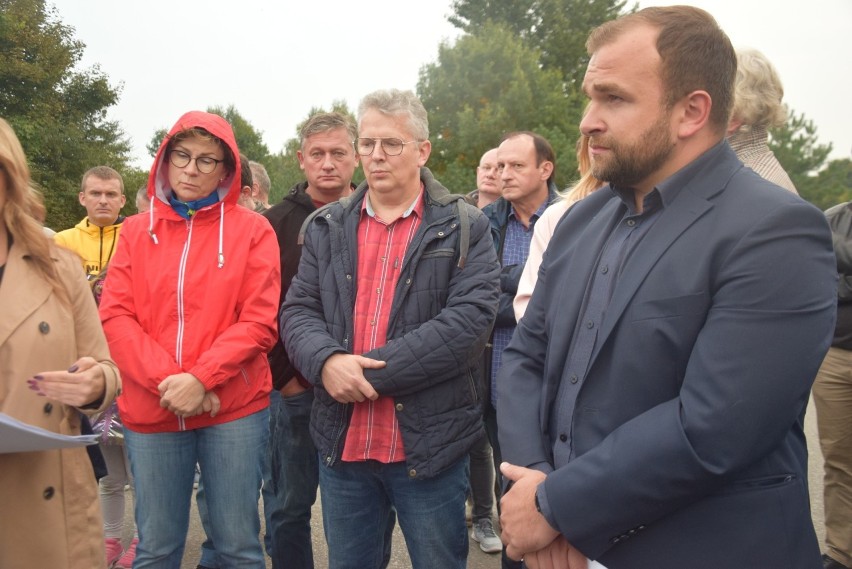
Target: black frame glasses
[205, 164]
[390, 146]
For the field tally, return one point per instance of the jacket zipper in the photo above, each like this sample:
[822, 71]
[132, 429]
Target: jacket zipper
[180, 305]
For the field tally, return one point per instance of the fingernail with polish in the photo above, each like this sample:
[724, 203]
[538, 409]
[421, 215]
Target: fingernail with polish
[38, 377]
[73, 368]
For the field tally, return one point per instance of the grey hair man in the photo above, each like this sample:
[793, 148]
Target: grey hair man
[260, 186]
[392, 353]
[143, 202]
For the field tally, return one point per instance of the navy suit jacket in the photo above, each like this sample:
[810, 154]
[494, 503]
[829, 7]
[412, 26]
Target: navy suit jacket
[687, 433]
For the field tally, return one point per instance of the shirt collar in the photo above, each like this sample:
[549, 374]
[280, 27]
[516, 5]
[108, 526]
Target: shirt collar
[538, 213]
[416, 206]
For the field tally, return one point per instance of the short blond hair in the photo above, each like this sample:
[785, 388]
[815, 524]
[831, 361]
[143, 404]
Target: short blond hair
[758, 91]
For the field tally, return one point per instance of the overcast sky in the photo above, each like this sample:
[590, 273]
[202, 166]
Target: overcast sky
[276, 60]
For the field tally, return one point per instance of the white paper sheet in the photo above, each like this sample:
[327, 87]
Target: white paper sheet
[16, 436]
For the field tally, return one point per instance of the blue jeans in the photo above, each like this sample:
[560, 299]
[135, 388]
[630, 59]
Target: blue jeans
[270, 503]
[294, 481]
[358, 497]
[163, 465]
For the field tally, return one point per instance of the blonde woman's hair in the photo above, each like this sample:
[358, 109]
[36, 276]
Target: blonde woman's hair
[587, 182]
[758, 92]
[24, 211]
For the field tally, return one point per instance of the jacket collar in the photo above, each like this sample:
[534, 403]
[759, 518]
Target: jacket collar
[22, 291]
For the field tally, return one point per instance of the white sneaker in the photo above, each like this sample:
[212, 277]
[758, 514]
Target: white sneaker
[483, 532]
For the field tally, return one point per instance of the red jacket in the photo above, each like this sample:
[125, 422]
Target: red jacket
[197, 296]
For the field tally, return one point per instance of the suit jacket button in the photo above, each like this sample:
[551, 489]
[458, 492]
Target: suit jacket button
[43, 327]
[399, 407]
[48, 407]
[48, 493]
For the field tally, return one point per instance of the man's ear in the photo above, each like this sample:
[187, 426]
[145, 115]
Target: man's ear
[82, 197]
[424, 152]
[546, 169]
[733, 126]
[694, 113]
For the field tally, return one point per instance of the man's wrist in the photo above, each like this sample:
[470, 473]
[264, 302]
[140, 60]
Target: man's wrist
[542, 505]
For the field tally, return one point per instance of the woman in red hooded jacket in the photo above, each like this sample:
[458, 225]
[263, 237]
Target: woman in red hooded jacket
[189, 312]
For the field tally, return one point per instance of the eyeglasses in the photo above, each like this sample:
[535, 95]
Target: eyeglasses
[205, 164]
[390, 146]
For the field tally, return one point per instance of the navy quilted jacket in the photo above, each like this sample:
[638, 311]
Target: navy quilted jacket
[443, 310]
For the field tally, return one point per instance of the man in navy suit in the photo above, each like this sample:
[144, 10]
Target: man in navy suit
[652, 399]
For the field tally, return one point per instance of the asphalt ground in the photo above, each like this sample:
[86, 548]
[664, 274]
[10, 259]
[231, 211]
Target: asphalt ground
[477, 559]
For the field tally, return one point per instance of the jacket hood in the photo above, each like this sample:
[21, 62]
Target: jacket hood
[158, 179]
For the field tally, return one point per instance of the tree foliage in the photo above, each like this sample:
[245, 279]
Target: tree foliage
[57, 111]
[797, 148]
[556, 28]
[485, 85]
[833, 185]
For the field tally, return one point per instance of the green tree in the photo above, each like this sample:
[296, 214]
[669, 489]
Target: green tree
[249, 138]
[57, 111]
[797, 148]
[556, 28]
[483, 86]
[833, 185]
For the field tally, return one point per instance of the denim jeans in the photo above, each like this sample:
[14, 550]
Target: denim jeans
[208, 559]
[358, 497]
[294, 480]
[163, 465]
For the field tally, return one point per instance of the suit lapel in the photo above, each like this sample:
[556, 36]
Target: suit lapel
[21, 292]
[691, 203]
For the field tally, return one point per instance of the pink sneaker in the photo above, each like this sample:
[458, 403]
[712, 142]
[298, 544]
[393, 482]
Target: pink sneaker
[113, 550]
[126, 561]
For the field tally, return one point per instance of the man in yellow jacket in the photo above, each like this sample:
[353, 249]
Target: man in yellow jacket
[95, 237]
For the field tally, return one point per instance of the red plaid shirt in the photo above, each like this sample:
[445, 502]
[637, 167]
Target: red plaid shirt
[373, 429]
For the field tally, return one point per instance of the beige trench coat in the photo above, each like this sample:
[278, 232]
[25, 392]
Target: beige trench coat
[49, 510]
